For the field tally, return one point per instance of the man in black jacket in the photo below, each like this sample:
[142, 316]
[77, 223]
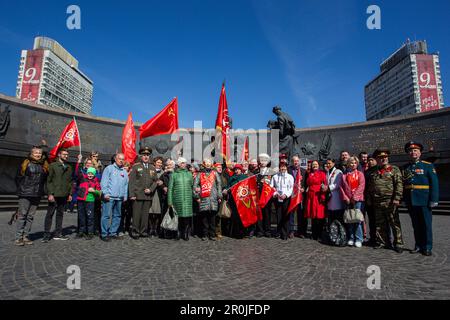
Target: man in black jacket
[30, 182]
[59, 188]
[299, 174]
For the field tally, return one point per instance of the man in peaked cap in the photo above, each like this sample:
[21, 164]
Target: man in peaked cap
[143, 180]
[421, 195]
[384, 190]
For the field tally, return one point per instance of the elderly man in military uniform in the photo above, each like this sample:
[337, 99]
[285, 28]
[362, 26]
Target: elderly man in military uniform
[421, 195]
[385, 188]
[143, 183]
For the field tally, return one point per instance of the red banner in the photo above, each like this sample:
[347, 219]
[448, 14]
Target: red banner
[70, 137]
[32, 75]
[129, 140]
[165, 122]
[266, 194]
[245, 151]
[245, 195]
[297, 196]
[223, 126]
[429, 98]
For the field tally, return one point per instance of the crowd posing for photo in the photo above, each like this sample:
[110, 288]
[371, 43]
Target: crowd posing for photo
[353, 201]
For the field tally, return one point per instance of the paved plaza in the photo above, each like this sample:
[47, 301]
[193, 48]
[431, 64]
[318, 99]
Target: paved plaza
[257, 268]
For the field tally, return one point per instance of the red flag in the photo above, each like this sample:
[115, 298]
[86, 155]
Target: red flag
[129, 140]
[165, 122]
[223, 125]
[266, 194]
[70, 137]
[245, 194]
[296, 198]
[245, 151]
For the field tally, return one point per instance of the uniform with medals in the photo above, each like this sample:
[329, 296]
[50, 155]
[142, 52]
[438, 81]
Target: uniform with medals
[421, 194]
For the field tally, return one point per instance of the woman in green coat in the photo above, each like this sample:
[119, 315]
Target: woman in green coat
[179, 197]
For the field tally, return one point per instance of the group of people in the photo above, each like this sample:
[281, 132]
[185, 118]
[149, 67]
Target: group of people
[124, 198]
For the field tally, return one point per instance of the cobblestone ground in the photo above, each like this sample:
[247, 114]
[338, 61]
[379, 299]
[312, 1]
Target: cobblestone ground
[229, 269]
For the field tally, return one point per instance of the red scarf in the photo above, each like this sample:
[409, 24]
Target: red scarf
[353, 180]
[206, 183]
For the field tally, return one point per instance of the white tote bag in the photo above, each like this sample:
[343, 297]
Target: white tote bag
[169, 222]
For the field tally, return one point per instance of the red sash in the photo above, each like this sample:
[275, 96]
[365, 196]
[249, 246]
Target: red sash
[206, 183]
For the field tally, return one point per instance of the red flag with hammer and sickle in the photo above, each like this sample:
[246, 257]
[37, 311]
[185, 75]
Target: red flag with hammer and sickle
[165, 122]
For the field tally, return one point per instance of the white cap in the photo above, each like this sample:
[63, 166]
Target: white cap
[181, 160]
[264, 156]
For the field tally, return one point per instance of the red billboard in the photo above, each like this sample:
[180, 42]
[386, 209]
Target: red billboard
[429, 98]
[32, 75]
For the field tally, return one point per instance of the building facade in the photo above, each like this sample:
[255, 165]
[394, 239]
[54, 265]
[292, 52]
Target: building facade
[409, 82]
[49, 75]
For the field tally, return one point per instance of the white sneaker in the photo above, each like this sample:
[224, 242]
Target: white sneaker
[350, 243]
[358, 244]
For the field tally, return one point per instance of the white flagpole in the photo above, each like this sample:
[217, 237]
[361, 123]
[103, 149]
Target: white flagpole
[79, 135]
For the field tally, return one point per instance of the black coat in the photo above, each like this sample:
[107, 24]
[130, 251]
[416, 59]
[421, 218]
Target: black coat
[31, 183]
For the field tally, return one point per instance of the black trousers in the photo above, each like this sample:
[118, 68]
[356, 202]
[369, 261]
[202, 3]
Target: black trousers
[184, 226]
[127, 213]
[372, 223]
[282, 218]
[59, 206]
[302, 222]
[97, 216]
[154, 223]
[317, 227]
[209, 223]
[140, 216]
[263, 227]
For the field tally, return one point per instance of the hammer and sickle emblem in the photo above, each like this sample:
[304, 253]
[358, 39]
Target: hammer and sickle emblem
[171, 113]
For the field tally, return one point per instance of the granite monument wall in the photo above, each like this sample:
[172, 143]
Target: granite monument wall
[24, 124]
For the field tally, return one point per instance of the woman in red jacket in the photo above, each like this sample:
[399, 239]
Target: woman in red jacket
[352, 192]
[316, 183]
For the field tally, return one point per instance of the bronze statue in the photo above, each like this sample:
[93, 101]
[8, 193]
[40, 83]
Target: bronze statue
[286, 127]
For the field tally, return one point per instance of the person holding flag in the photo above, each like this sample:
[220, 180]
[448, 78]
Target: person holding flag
[283, 183]
[296, 205]
[236, 228]
[208, 193]
[265, 174]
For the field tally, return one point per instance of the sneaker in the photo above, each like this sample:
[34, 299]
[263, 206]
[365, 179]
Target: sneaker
[80, 235]
[358, 244]
[350, 243]
[204, 238]
[27, 241]
[61, 238]
[19, 242]
[90, 236]
[46, 239]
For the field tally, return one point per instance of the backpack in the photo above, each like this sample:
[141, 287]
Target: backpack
[335, 234]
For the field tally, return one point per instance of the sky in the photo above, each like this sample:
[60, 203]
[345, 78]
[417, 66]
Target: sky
[313, 58]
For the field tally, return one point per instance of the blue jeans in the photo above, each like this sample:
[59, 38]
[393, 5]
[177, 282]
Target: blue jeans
[111, 209]
[355, 230]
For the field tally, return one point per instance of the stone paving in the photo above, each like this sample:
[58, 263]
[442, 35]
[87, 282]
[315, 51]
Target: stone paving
[258, 268]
